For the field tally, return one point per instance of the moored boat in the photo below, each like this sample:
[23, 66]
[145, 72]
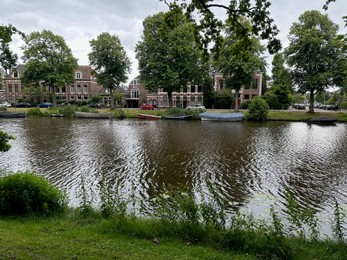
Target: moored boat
[225, 117]
[180, 116]
[57, 115]
[322, 120]
[149, 117]
[10, 114]
[106, 115]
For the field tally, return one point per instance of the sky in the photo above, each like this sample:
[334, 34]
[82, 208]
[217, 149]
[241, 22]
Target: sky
[79, 21]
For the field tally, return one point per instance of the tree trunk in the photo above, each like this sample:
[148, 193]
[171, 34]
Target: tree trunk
[236, 100]
[53, 97]
[112, 99]
[311, 106]
[169, 94]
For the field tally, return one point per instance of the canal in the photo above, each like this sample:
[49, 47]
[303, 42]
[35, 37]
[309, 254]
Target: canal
[250, 165]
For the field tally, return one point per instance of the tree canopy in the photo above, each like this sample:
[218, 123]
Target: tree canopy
[49, 61]
[315, 54]
[240, 57]
[168, 55]
[201, 13]
[109, 62]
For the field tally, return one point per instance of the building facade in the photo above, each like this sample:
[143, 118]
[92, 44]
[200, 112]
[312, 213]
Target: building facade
[246, 93]
[82, 90]
[138, 96]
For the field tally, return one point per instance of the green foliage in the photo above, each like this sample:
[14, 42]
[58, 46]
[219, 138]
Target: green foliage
[109, 61]
[35, 111]
[4, 138]
[240, 56]
[301, 217]
[258, 110]
[210, 22]
[168, 54]
[338, 223]
[315, 54]
[27, 194]
[95, 99]
[222, 100]
[8, 59]
[119, 113]
[49, 61]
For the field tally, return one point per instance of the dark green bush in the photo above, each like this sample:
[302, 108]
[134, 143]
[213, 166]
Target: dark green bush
[35, 111]
[24, 194]
[258, 110]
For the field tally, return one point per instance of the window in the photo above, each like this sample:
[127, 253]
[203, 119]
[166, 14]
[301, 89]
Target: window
[85, 88]
[15, 74]
[221, 84]
[134, 93]
[10, 88]
[78, 75]
[63, 89]
[72, 88]
[16, 88]
[79, 88]
[246, 96]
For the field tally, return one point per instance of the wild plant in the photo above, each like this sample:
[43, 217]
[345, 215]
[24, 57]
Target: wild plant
[110, 201]
[278, 227]
[338, 223]
[301, 218]
[35, 111]
[85, 208]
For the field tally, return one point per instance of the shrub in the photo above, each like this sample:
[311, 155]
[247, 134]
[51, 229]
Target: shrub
[4, 139]
[258, 110]
[119, 113]
[25, 194]
[35, 111]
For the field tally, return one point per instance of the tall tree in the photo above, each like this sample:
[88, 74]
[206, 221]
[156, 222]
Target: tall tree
[209, 23]
[240, 57]
[315, 54]
[8, 59]
[109, 62]
[168, 55]
[49, 61]
[281, 82]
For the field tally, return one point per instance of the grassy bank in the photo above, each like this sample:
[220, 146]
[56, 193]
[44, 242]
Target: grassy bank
[72, 237]
[274, 115]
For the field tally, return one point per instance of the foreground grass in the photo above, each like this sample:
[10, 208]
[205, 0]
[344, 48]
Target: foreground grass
[73, 238]
[303, 115]
[70, 237]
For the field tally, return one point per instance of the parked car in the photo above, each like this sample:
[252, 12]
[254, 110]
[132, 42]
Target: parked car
[23, 104]
[147, 107]
[5, 104]
[46, 105]
[197, 107]
[94, 105]
[299, 106]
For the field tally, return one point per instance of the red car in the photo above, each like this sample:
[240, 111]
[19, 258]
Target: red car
[147, 107]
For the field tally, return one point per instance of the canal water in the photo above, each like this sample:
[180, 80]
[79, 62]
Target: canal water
[248, 164]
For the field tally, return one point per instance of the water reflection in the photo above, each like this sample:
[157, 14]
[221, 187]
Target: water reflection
[244, 162]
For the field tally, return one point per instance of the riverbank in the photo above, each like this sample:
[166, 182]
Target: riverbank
[274, 115]
[74, 237]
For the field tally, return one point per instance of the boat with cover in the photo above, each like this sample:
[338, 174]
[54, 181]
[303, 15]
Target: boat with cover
[149, 117]
[11, 114]
[106, 115]
[225, 117]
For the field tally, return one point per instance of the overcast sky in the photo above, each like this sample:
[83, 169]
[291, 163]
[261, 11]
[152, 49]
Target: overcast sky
[79, 21]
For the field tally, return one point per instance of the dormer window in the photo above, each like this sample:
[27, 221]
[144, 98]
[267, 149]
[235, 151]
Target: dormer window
[78, 75]
[15, 74]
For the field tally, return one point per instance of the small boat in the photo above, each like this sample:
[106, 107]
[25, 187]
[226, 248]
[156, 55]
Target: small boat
[322, 120]
[149, 117]
[107, 115]
[10, 114]
[224, 117]
[57, 115]
[180, 116]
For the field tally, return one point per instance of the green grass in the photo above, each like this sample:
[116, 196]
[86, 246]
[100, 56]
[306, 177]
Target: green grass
[303, 115]
[71, 238]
